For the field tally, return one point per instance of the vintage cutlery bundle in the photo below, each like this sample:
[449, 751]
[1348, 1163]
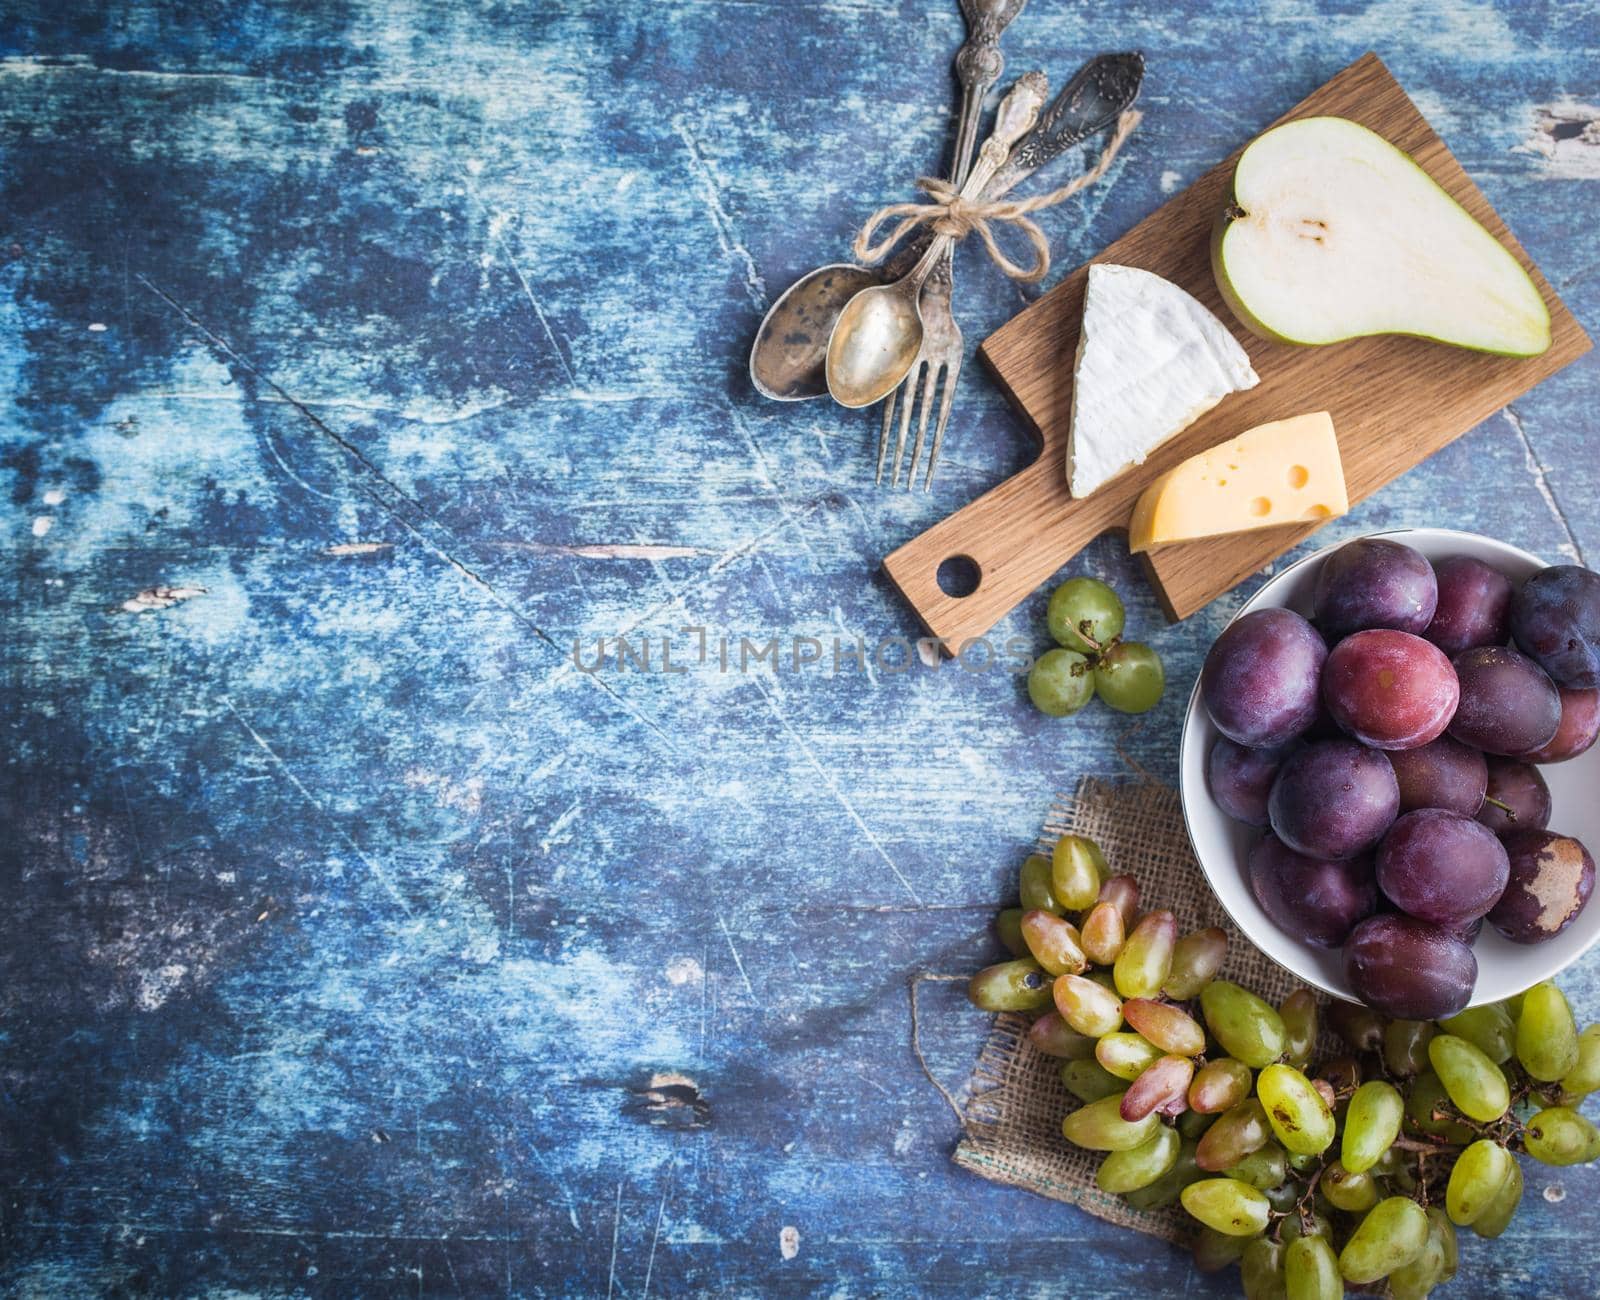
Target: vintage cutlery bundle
[865, 334]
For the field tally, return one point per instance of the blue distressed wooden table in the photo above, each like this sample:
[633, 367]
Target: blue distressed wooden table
[358, 359]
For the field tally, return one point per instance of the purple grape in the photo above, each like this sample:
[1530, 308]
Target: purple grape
[1261, 677]
[1555, 617]
[1516, 799]
[1552, 877]
[1389, 689]
[1311, 900]
[1441, 774]
[1576, 732]
[1409, 969]
[1442, 867]
[1373, 582]
[1508, 705]
[1474, 606]
[1333, 799]
[1241, 779]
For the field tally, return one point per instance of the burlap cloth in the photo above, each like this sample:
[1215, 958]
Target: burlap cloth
[1013, 1119]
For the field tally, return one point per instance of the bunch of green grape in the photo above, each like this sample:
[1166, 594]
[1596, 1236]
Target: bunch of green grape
[1309, 1173]
[1086, 618]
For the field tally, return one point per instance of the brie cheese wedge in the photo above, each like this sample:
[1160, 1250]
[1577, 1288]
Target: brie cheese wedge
[1151, 361]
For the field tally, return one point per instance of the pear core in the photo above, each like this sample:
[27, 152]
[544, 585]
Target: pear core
[1334, 234]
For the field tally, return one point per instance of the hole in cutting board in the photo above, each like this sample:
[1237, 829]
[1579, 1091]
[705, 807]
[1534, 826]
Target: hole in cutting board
[959, 576]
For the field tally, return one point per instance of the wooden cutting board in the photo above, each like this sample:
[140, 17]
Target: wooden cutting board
[1395, 401]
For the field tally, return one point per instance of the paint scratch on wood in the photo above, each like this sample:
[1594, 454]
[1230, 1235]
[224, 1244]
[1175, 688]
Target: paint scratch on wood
[661, 1214]
[1541, 480]
[607, 550]
[464, 795]
[1566, 134]
[26, 66]
[357, 548]
[670, 1100]
[838, 794]
[497, 224]
[372, 865]
[616, 1224]
[754, 286]
[558, 828]
[152, 598]
[737, 960]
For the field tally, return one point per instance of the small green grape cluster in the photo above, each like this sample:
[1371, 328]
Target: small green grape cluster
[1086, 618]
[1357, 1169]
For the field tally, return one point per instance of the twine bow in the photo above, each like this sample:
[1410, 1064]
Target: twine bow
[950, 214]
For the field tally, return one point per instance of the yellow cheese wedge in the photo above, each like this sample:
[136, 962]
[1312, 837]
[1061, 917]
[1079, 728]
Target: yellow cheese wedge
[1286, 472]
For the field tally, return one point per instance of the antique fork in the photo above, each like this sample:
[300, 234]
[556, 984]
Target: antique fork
[942, 350]
[1092, 100]
[979, 64]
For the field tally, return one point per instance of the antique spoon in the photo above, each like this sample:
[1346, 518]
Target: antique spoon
[978, 66]
[1096, 97]
[786, 363]
[879, 333]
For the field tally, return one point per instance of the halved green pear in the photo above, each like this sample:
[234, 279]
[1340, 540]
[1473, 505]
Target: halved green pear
[1334, 234]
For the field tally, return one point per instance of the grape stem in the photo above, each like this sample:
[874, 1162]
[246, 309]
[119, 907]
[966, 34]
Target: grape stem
[1087, 636]
[1507, 809]
[1436, 1147]
[1303, 1205]
[1454, 1116]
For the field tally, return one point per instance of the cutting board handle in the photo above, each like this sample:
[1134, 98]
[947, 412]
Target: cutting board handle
[1016, 535]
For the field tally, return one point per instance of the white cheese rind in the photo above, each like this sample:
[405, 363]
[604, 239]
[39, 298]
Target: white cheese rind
[1151, 361]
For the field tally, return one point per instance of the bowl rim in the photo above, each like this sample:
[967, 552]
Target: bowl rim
[1195, 707]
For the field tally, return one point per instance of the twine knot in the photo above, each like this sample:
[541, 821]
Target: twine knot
[958, 217]
[951, 215]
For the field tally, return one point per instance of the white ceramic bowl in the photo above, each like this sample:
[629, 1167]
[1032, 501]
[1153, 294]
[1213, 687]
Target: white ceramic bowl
[1222, 844]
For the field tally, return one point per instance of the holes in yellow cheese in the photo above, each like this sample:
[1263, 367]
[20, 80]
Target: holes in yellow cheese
[1274, 474]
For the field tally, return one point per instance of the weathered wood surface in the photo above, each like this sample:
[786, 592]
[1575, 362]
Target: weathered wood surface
[358, 357]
